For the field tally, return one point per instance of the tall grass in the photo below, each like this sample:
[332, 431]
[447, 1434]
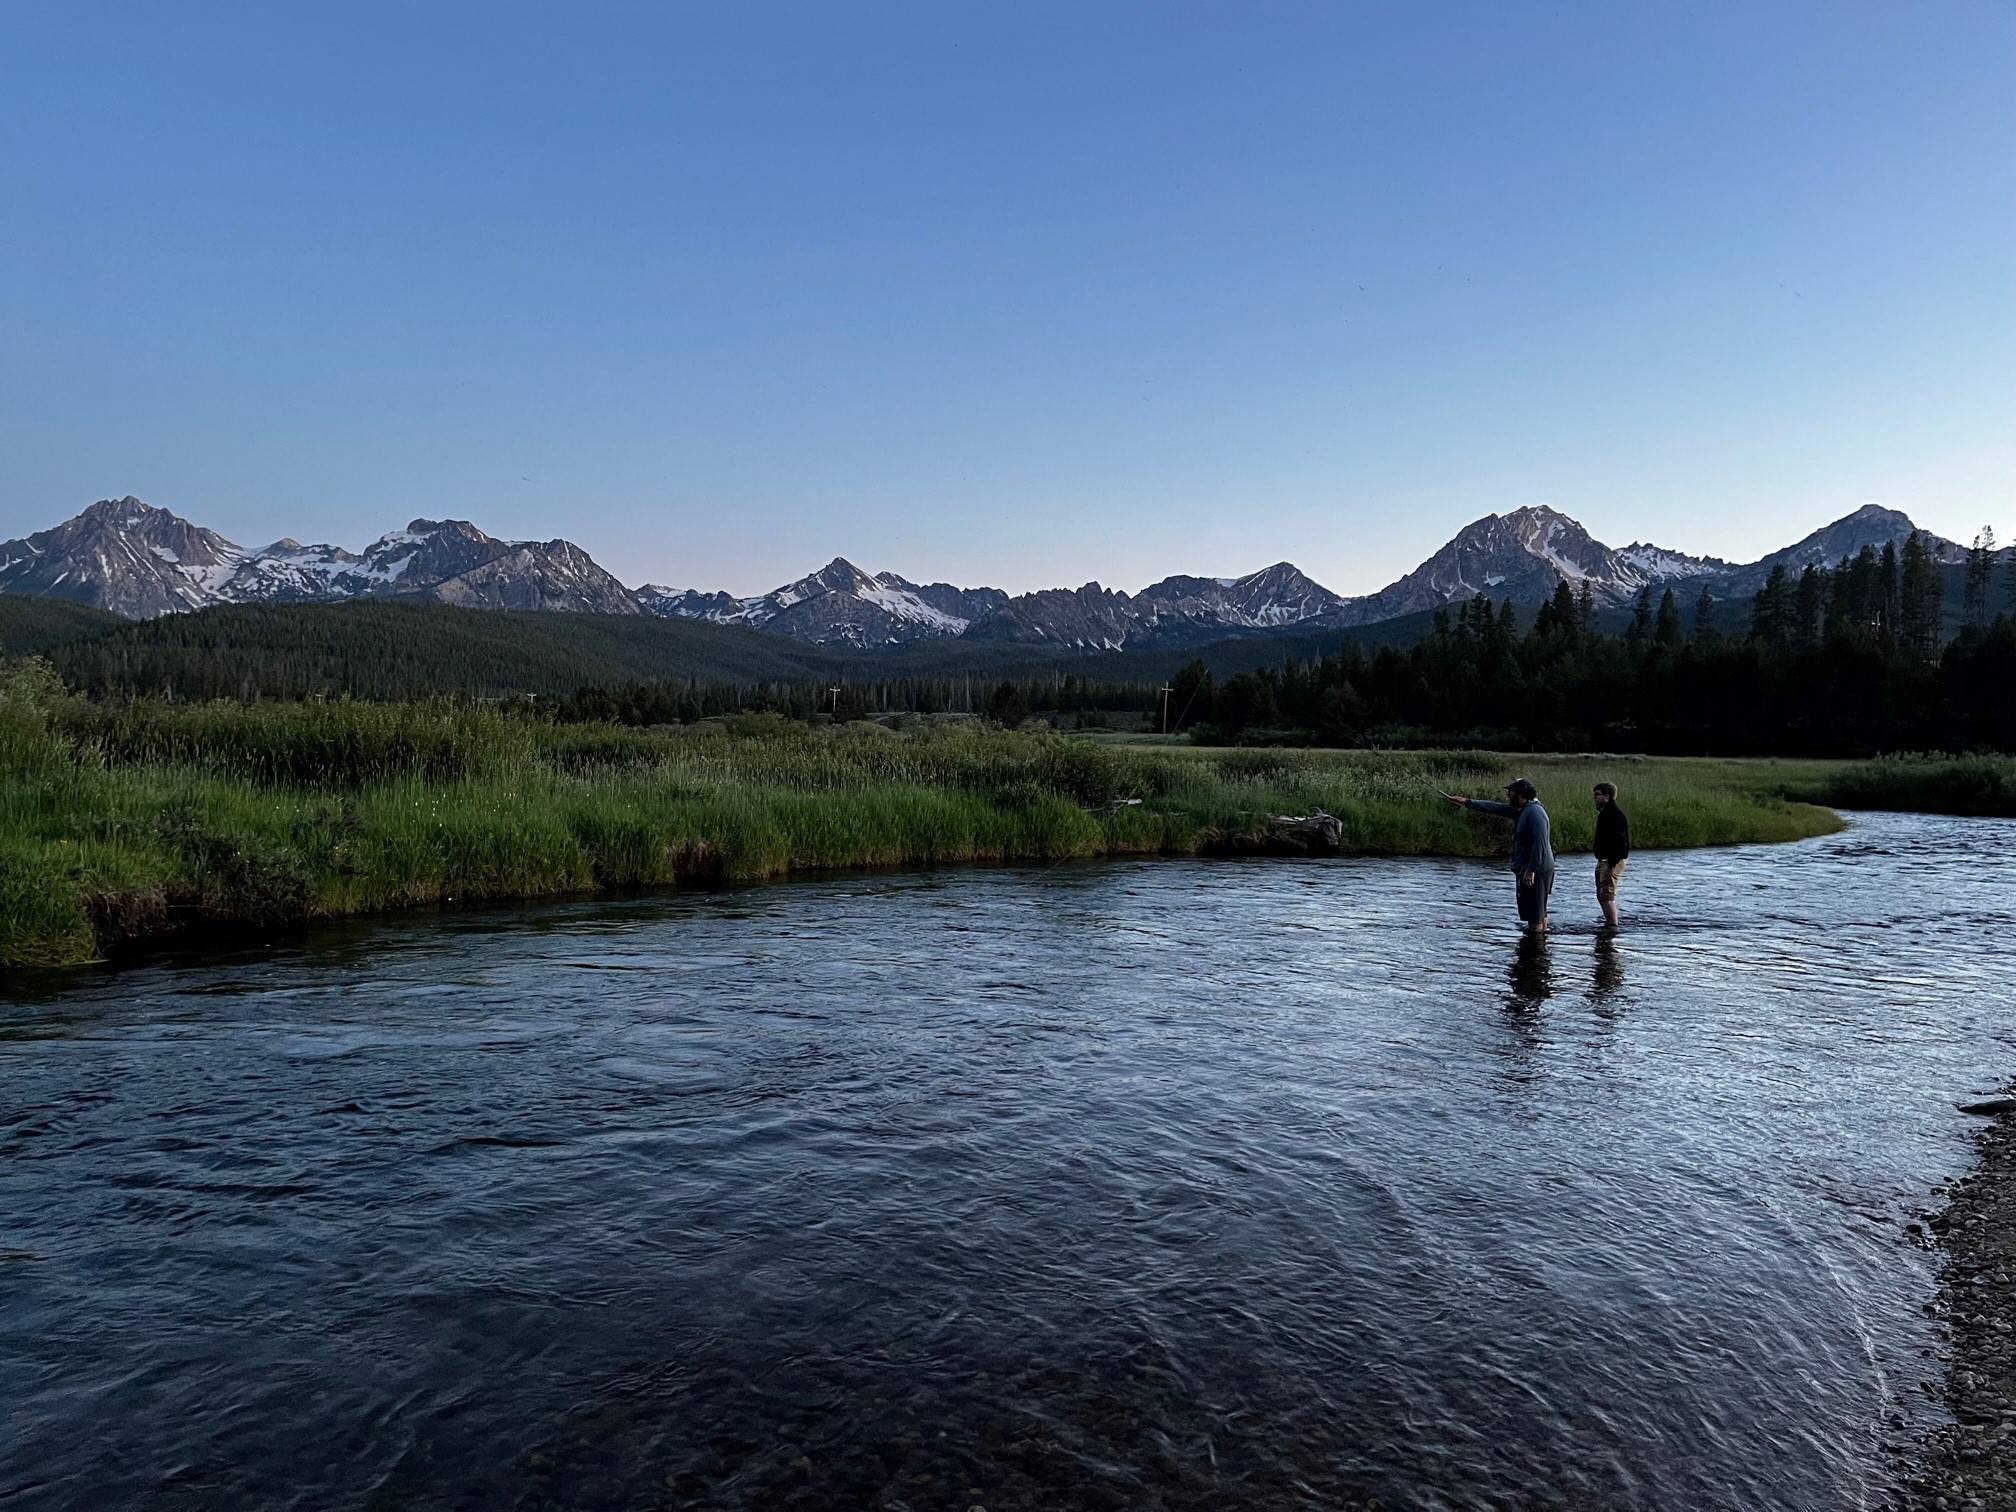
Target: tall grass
[332, 743]
[1983, 786]
[120, 823]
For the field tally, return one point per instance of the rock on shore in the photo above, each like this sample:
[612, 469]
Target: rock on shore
[1970, 1465]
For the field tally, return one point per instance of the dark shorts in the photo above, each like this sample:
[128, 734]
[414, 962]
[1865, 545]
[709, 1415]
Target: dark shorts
[1533, 899]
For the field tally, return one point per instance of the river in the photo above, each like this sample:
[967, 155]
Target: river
[1164, 1184]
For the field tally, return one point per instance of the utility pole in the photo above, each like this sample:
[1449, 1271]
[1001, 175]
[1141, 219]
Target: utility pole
[835, 691]
[1166, 691]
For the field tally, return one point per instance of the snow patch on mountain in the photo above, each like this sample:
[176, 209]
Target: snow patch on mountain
[1657, 564]
[138, 560]
[838, 605]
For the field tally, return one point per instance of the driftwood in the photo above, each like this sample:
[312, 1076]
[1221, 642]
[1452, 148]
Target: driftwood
[1319, 831]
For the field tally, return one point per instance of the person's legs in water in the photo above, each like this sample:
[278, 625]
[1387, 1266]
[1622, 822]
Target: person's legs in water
[1608, 875]
[1532, 897]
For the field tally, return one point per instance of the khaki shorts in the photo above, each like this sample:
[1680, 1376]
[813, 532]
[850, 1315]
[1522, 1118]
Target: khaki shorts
[1608, 875]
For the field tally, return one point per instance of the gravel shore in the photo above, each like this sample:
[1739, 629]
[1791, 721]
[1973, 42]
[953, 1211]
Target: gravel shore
[1970, 1465]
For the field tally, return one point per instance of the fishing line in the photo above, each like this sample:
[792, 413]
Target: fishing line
[1422, 779]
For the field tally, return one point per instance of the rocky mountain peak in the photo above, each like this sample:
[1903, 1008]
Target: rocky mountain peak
[458, 528]
[842, 605]
[126, 511]
[1270, 598]
[1538, 514]
[1088, 618]
[140, 560]
[1543, 529]
[840, 576]
[1872, 525]
[124, 555]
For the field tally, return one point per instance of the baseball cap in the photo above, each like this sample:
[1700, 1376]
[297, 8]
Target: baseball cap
[1522, 787]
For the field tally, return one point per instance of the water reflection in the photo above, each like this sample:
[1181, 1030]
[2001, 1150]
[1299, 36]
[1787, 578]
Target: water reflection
[1532, 974]
[1609, 974]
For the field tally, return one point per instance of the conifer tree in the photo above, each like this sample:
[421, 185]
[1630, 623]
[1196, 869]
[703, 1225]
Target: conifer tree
[1770, 611]
[1980, 573]
[1641, 615]
[1007, 706]
[1667, 632]
[1919, 627]
[1704, 616]
[1475, 619]
[1862, 606]
[1889, 594]
[1557, 616]
[1809, 608]
[1837, 620]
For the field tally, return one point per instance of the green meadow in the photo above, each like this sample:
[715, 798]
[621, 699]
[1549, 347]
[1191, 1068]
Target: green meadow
[122, 823]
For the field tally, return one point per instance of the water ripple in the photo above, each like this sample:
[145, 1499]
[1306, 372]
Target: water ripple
[1106, 1185]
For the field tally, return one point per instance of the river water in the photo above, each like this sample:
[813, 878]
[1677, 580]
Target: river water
[1217, 1184]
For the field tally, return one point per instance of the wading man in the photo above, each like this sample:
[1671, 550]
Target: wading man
[1532, 847]
[1613, 848]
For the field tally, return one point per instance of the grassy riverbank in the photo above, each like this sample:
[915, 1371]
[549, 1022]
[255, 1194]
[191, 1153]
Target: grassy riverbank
[121, 824]
[1978, 786]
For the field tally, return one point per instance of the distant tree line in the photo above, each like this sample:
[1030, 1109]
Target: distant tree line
[1846, 660]
[388, 651]
[1841, 661]
[1061, 697]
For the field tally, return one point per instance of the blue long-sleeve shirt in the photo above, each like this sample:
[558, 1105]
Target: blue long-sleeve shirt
[1532, 833]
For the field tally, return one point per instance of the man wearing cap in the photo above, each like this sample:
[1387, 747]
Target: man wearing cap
[1532, 847]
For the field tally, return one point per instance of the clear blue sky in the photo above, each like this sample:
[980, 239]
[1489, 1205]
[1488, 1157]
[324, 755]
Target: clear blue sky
[1018, 294]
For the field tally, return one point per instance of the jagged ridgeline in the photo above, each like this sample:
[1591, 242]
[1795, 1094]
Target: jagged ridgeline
[1828, 664]
[140, 561]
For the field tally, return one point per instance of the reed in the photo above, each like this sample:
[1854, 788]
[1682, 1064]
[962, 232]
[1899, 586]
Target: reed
[1982, 786]
[120, 823]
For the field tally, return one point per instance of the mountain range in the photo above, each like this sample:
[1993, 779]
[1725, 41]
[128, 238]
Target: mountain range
[140, 561]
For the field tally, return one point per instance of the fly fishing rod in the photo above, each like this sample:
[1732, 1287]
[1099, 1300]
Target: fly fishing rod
[1422, 778]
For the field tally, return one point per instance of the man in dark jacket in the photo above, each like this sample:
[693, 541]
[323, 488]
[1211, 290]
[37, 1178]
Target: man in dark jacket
[1613, 848]
[1532, 847]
